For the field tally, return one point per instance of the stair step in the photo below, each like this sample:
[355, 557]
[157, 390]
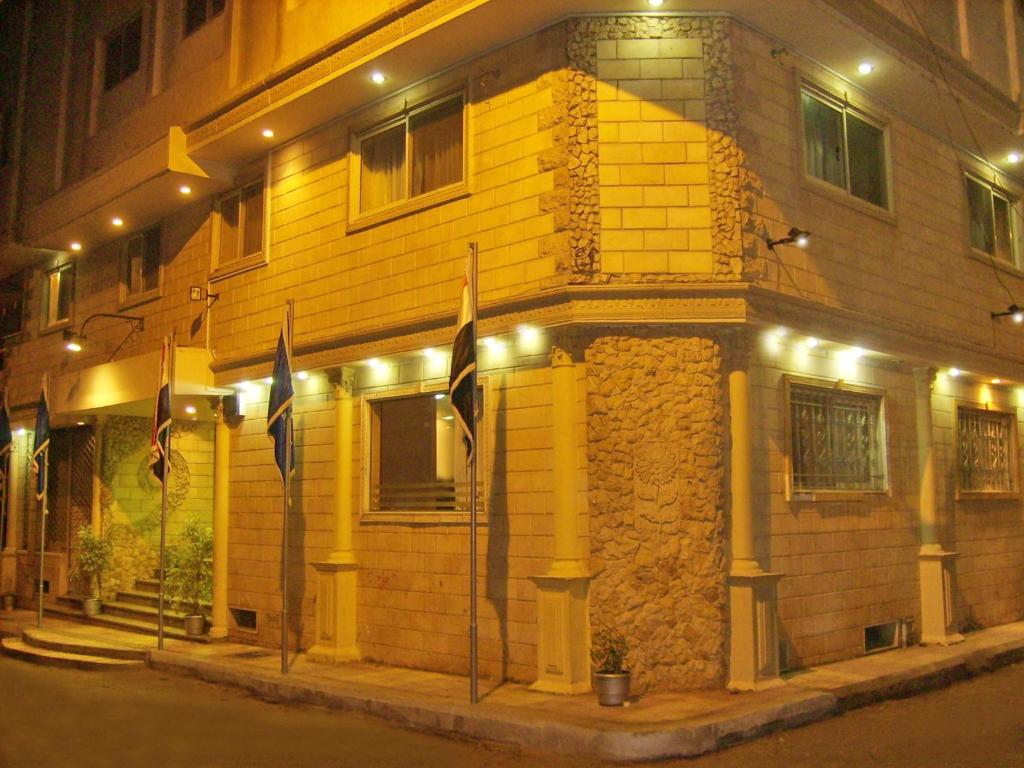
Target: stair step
[18, 649]
[147, 585]
[135, 597]
[144, 613]
[62, 643]
[70, 601]
[143, 627]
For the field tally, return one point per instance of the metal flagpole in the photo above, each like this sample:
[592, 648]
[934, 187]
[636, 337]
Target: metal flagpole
[45, 469]
[163, 491]
[473, 692]
[287, 501]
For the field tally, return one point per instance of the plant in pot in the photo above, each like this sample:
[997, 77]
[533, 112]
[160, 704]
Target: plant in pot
[190, 574]
[94, 553]
[611, 679]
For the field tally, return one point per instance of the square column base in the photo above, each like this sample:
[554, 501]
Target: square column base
[8, 571]
[335, 613]
[753, 632]
[563, 636]
[938, 612]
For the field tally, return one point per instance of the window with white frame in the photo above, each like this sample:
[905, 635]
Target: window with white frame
[986, 450]
[990, 217]
[837, 438]
[141, 256]
[58, 294]
[241, 227]
[417, 456]
[844, 148]
[419, 152]
[198, 12]
[123, 53]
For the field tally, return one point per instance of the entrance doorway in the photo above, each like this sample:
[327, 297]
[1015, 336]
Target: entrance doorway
[69, 496]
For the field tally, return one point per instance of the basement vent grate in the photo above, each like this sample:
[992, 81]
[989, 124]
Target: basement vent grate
[881, 637]
[244, 618]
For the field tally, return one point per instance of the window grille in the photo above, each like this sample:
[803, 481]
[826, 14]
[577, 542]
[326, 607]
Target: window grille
[986, 450]
[836, 440]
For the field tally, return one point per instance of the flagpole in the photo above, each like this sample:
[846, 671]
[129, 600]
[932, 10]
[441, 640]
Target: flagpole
[473, 685]
[287, 500]
[44, 462]
[163, 491]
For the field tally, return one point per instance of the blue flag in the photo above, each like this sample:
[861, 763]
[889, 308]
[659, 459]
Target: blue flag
[6, 438]
[158, 439]
[41, 445]
[279, 410]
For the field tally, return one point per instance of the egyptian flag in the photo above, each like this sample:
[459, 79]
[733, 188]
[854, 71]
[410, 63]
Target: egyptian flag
[462, 380]
[158, 439]
[279, 410]
[40, 447]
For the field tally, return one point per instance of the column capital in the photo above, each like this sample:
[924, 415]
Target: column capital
[737, 344]
[343, 380]
[924, 380]
[560, 356]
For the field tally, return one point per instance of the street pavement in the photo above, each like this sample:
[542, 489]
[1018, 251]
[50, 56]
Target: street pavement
[59, 717]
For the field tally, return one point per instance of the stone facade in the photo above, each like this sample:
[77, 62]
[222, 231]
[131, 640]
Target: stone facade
[654, 429]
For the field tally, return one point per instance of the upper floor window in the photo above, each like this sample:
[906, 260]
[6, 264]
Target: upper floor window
[844, 148]
[241, 228]
[141, 254]
[412, 155]
[6, 135]
[123, 53]
[991, 221]
[837, 438]
[11, 310]
[986, 451]
[58, 293]
[198, 12]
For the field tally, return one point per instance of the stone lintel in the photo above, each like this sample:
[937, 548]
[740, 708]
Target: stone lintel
[563, 624]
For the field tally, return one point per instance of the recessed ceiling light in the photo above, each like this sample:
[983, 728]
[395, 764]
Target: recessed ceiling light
[269, 380]
[268, 133]
[997, 381]
[655, 3]
[117, 221]
[80, 423]
[379, 78]
[1014, 157]
[302, 375]
[76, 246]
[190, 410]
[811, 342]
[954, 372]
[865, 67]
[185, 189]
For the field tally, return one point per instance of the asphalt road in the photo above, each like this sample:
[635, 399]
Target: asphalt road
[54, 717]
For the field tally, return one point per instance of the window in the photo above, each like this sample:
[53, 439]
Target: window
[142, 263]
[124, 51]
[986, 450]
[6, 135]
[241, 227]
[991, 223]
[198, 12]
[11, 308]
[418, 153]
[837, 440]
[59, 291]
[417, 458]
[844, 149]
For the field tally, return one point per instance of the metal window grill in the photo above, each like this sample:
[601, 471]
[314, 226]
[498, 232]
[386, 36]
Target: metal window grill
[985, 442]
[836, 443]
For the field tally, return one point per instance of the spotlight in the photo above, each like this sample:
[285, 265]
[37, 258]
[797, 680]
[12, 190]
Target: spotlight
[190, 410]
[267, 133]
[799, 237]
[655, 3]
[1014, 157]
[1013, 312]
[379, 78]
[302, 375]
[117, 221]
[954, 372]
[865, 67]
[76, 246]
[72, 341]
[185, 189]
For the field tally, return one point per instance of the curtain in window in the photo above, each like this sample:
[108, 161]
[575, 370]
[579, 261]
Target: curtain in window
[979, 208]
[381, 175]
[436, 147]
[823, 141]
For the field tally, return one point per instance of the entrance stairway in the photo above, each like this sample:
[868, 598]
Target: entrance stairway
[65, 649]
[134, 610]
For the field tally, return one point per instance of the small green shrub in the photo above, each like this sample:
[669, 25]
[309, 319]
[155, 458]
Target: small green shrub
[608, 652]
[190, 568]
[94, 553]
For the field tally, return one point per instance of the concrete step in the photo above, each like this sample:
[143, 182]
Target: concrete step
[63, 643]
[144, 613]
[18, 649]
[70, 601]
[143, 627]
[152, 600]
[147, 585]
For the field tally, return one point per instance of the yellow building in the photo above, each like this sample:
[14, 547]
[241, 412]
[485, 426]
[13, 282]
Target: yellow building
[746, 450]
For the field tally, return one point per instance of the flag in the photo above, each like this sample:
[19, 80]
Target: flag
[41, 444]
[161, 417]
[6, 438]
[462, 380]
[279, 410]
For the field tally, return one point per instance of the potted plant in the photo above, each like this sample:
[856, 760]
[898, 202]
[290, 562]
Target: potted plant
[611, 678]
[190, 574]
[94, 553]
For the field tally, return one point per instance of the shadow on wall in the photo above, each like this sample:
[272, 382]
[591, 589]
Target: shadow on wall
[498, 532]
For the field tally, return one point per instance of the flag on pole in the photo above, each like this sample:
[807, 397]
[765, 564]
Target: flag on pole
[42, 441]
[462, 380]
[279, 410]
[161, 417]
[6, 438]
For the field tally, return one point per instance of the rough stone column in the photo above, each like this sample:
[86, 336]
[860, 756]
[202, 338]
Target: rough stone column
[97, 475]
[336, 578]
[221, 502]
[563, 649]
[753, 635]
[938, 615]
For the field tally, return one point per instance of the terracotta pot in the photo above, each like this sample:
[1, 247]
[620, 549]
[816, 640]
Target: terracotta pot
[195, 625]
[612, 690]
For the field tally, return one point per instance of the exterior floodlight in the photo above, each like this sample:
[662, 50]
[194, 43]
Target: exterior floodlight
[1012, 311]
[72, 341]
[798, 237]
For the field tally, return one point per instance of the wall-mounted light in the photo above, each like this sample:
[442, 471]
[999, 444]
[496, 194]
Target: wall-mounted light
[1012, 311]
[799, 237]
[73, 339]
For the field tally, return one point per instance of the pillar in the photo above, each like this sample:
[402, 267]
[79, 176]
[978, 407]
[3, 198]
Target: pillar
[753, 632]
[221, 506]
[336, 577]
[935, 565]
[97, 477]
[9, 555]
[563, 650]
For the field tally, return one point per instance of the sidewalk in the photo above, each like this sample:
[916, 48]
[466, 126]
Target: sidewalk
[655, 726]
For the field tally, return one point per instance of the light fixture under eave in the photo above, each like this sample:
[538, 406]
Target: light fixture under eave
[865, 68]
[1013, 311]
[1015, 157]
[379, 78]
[655, 3]
[117, 221]
[190, 410]
[267, 133]
[811, 342]
[302, 375]
[185, 189]
[76, 246]
[954, 372]
[798, 237]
